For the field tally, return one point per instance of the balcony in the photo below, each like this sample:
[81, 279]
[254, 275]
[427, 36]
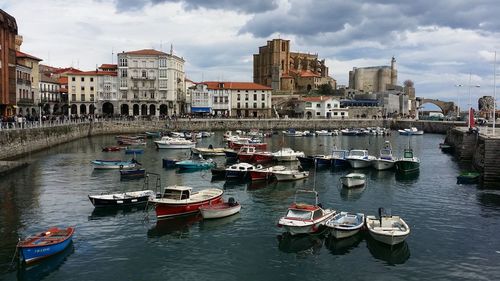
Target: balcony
[143, 78]
[25, 101]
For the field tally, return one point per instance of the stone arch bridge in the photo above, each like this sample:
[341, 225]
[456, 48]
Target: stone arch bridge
[446, 106]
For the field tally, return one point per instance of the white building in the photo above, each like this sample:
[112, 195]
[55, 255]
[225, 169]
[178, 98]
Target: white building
[150, 83]
[321, 107]
[107, 90]
[50, 95]
[201, 101]
[25, 96]
[82, 91]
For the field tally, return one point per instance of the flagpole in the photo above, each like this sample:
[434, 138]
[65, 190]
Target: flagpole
[494, 91]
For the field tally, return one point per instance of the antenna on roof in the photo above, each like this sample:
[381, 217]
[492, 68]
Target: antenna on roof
[171, 49]
[112, 55]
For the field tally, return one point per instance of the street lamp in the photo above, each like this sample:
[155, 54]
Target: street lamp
[494, 92]
[458, 99]
[470, 99]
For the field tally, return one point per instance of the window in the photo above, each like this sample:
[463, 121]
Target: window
[335, 114]
[246, 104]
[238, 105]
[91, 79]
[317, 113]
[82, 88]
[246, 96]
[91, 89]
[254, 105]
[73, 97]
[318, 105]
[226, 99]
[263, 98]
[91, 97]
[144, 74]
[328, 105]
[254, 96]
[83, 79]
[82, 97]
[263, 105]
[73, 79]
[308, 104]
[238, 97]
[342, 113]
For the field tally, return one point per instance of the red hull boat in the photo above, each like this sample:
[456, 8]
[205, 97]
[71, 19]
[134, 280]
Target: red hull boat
[262, 157]
[262, 174]
[181, 200]
[257, 145]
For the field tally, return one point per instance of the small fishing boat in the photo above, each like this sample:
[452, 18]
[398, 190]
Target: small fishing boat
[153, 134]
[169, 162]
[390, 230]
[353, 180]
[111, 148]
[345, 224]
[174, 143]
[45, 244]
[265, 173]
[303, 218]
[338, 158]
[287, 154]
[231, 153]
[210, 151]
[218, 173]
[132, 173]
[413, 131]
[134, 151]
[359, 158]
[293, 133]
[122, 199]
[306, 161]
[239, 171]
[385, 161]
[181, 200]
[195, 164]
[222, 210]
[252, 142]
[323, 133]
[289, 175]
[114, 164]
[408, 163]
[323, 160]
[468, 178]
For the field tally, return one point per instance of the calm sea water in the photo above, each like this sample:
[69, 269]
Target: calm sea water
[454, 227]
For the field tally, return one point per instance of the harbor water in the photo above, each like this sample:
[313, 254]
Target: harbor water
[454, 228]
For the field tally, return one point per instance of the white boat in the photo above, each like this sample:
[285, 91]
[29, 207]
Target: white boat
[179, 143]
[411, 132]
[353, 180]
[323, 133]
[345, 224]
[287, 154]
[385, 160]
[303, 218]
[225, 209]
[240, 170]
[293, 133]
[390, 230]
[359, 158]
[208, 151]
[289, 175]
[122, 199]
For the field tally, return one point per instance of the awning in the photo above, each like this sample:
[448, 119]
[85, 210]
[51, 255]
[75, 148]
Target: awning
[200, 109]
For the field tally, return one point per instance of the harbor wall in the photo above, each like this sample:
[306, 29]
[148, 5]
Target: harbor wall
[15, 143]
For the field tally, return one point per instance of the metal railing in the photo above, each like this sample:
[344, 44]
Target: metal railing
[44, 124]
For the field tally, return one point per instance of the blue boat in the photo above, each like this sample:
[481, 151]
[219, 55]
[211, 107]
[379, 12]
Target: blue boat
[134, 151]
[195, 164]
[114, 164]
[132, 174]
[153, 134]
[169, 163]
[339, 158]
[45, 244]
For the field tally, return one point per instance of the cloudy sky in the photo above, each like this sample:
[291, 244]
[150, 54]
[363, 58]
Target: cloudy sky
[438, 44]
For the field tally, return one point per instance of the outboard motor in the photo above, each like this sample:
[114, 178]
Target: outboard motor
[231, 201]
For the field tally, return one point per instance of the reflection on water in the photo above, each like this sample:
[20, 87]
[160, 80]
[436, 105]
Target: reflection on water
[397, 254]
[300, 244]
[99, 213]
[343, 246]
[177, 227]
[351, 194]
[381, 175]
[45, 267]
[407, 177]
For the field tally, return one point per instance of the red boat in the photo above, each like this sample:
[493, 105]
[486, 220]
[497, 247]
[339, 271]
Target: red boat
[181, 200]
[261, 174]
[263, 157]
[250, 154]
[238, 144]
[111, 148]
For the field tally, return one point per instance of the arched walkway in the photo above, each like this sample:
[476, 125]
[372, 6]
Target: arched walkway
[163, 109]
[83, 109]
[144, 110]
[124, 109]
[136, 109]
[108, 109]
[445, 106]
[74, 109]
[152, 109]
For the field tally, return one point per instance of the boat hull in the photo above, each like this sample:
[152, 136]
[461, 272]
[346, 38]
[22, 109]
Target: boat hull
[32, 253]
[113, 165]
[359, 163]
[174, 146]
[340, 233]
[165, 210]
[382, 164]
[405, 166]
[290, 176]
[100, 203]
[387, 239]
[352, 182]
[260, 175]
[215, 212]
[132, 174]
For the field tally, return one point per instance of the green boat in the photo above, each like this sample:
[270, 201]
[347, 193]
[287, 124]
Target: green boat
[468, 178]
[408, 163]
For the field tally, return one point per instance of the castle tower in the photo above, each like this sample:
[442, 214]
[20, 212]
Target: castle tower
[394, 72]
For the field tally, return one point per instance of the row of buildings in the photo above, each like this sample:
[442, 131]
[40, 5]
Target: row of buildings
[153, 83]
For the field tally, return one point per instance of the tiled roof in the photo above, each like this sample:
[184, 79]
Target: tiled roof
[308, 73]
[235, 85]
[63, 80]
[24, 55]
[48, 79]
[146, 52]
[108, 66]
[67, 70]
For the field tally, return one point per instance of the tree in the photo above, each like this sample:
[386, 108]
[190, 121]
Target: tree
[408, 84]
[325, 89]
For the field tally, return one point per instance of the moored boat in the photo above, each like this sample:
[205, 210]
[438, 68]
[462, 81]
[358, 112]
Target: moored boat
[468, 178]
[114, 164]
[132, 173]
[385, 161]
[408, 163]
[338, 158]
[303, 218]
[413, 131]
[169, 162]
[45, 244]
[390, 230]
[345, 224]
[134, 151]
[446, 148]
[222, 210]
[195, 164]
[174, 143]
[353, 180]
[290, 175]
[287, 154]
[323, 160]
[111, 148]
[209, 151]
[122, 199]
[239, 171]
[359, 158]
[181, 200]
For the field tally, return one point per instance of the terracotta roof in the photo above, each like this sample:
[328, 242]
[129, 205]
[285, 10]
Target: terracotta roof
[235, 85]
[93, 73]
[63, 80]
[108, 66]
[308, 73]
[146, 52]
[48, 79]
[24, 55]
[67, 70]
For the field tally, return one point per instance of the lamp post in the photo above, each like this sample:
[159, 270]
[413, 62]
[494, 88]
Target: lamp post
[458, 99]
[494, 91]
[470, 99]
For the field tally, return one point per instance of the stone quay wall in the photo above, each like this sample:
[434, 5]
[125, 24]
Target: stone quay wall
[15, 143]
